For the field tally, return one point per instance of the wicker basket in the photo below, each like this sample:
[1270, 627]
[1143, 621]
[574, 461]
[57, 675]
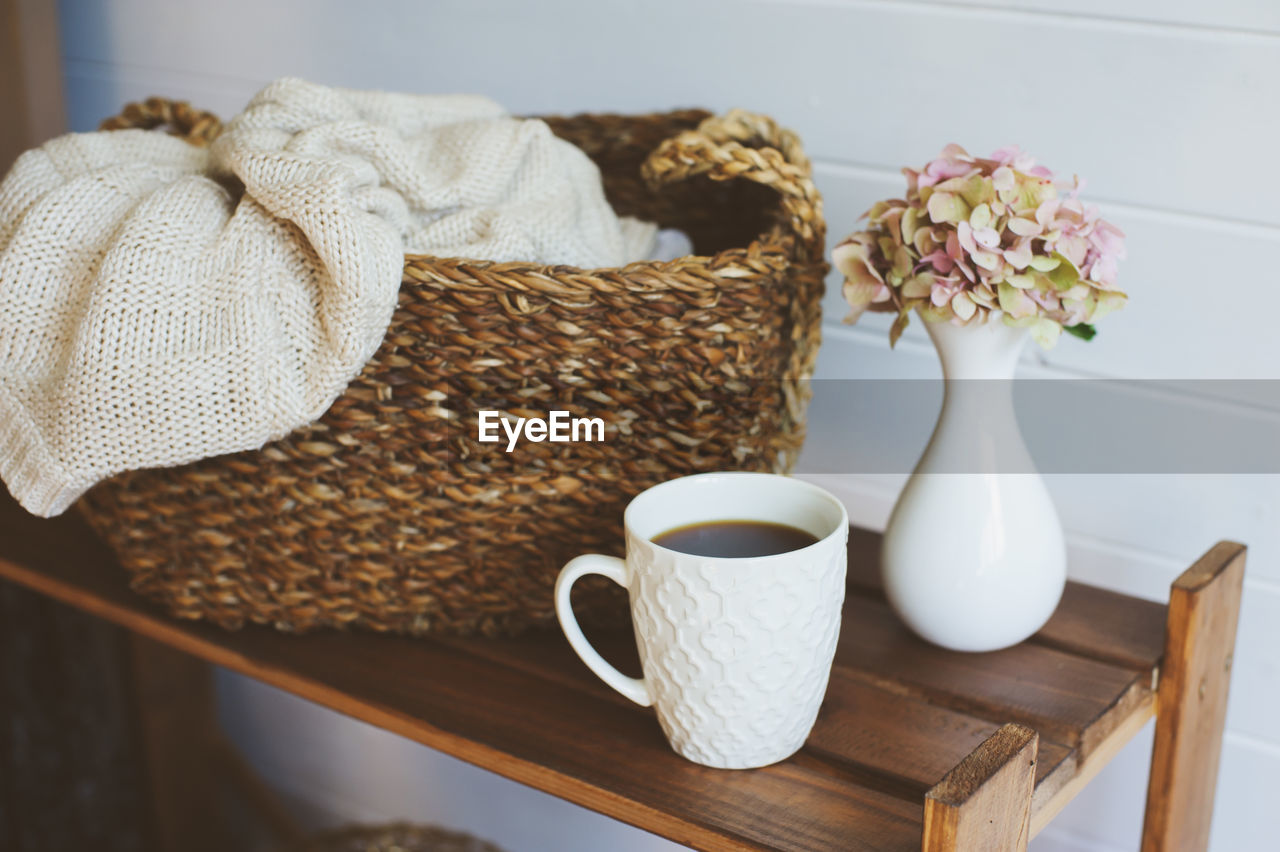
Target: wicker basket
[388, 514]
[398, 837]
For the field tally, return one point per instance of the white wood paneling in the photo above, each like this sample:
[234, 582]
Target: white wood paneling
[1162, 117]
[1246, 15]
[96, 91]
[1248, 797]
[1255, 679]
[1055, 838]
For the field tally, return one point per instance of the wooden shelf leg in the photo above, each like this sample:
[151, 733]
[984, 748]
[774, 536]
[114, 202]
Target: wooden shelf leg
[1191, 702]
[71, 773]
[984, 804]
[196, 776]
[175, 710]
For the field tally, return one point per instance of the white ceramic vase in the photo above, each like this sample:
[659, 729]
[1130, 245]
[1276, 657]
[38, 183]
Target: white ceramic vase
[973, 556]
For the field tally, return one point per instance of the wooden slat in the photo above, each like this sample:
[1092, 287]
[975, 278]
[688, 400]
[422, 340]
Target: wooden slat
[1107, 626]
[546, 654]
[985, 802]
[1204, 608]
[908, 740]
[1072, 700]
[1090, 622]
[890, 741]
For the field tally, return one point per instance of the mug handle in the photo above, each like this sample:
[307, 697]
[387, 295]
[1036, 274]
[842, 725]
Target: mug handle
[616, 570]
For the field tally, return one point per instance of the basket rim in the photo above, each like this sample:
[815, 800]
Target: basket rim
[586, 279]
[686, 273]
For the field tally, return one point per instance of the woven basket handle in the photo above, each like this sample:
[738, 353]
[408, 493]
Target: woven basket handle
[741, 144]
[183, 120]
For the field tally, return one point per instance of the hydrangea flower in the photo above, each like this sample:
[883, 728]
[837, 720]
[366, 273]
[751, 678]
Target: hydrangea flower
[981, 236]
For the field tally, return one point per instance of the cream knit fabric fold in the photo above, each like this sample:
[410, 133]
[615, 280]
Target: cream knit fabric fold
[160, 303]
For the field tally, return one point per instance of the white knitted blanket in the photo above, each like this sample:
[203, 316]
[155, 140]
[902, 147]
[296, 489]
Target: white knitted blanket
[153, 312]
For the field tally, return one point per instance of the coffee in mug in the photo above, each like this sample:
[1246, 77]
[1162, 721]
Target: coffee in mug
[735, 538]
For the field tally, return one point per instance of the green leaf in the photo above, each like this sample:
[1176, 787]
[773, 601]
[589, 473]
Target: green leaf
[1083, 330]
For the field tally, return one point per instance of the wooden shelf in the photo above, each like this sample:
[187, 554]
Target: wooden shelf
[899, 714]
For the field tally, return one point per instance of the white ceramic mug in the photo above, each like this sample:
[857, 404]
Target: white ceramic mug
[736, 652]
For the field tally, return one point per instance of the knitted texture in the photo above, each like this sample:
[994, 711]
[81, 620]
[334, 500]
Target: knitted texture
[162, 303]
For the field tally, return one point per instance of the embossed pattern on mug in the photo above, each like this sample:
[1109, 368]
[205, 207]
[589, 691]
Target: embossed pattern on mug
[738, 652]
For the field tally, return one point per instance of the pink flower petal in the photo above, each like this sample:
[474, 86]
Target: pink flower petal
[1074, 249]
[1020, 255]
[986, 237]
[1047, 211]
[1003, 179]
[943, 290]
[1006, 155]
[940, 261]
[1104, 270]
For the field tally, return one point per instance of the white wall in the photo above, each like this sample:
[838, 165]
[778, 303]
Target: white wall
[1171, 108]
